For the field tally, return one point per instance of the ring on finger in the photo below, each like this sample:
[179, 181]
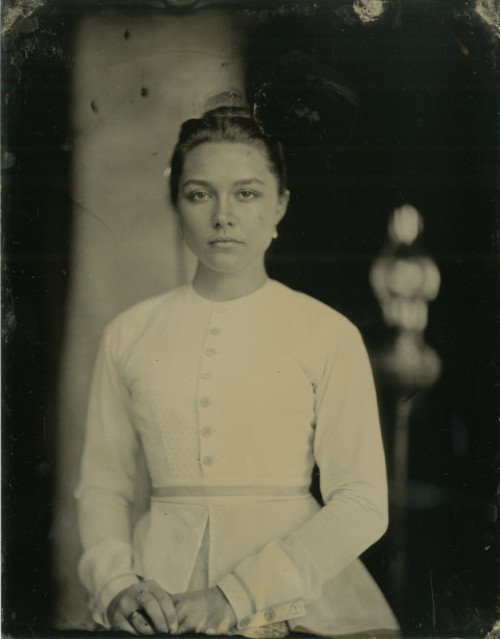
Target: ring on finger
[132, 615]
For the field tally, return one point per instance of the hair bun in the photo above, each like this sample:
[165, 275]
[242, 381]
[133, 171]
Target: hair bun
[228, 111]
[230, 98]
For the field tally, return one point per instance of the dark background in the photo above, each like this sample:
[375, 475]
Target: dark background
[424, 131]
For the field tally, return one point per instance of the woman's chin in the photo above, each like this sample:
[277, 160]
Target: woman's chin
[227, 267]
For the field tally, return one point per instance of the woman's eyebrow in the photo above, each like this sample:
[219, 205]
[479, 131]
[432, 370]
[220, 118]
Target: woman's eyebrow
[248, 181]
[192, 181]
[245, 182]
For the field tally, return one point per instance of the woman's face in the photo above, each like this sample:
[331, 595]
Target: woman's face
[229, 205]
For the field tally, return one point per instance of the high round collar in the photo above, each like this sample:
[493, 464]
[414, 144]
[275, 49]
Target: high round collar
[237, 300]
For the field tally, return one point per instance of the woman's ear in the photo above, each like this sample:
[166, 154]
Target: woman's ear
[283, 200]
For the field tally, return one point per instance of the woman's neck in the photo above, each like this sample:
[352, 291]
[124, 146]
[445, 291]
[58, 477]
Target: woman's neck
[222, 287]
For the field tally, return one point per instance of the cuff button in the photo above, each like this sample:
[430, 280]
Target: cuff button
[270, 614]
[244, 622]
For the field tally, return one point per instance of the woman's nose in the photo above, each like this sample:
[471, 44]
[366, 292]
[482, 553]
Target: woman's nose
[222, 214]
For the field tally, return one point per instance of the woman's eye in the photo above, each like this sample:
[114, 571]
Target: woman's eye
[196, 196]
[247, 195]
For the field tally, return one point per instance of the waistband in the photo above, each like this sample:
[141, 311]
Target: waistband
[230, 491]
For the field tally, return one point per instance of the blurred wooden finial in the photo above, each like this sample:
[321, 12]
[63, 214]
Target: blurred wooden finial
[405, 279]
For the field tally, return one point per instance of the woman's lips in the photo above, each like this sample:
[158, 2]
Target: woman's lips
[224, 241]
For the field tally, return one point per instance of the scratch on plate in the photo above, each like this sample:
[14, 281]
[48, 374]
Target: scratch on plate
[433, 601]
[84, 209]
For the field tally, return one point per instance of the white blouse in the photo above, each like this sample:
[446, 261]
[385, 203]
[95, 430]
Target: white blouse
[229, 405]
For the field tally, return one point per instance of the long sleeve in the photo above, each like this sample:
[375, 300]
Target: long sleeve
[106, 490]
[275, 583]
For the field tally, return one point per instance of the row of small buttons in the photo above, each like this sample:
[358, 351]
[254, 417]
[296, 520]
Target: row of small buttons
[204, 401]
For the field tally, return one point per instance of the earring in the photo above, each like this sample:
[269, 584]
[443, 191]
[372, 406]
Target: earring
[275, 234]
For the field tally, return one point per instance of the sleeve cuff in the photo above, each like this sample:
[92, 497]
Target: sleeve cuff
[280, 600]
[105, 570]
[240, 598]
[113, 587]
[269, 577]
[98, 607]
[244, 607]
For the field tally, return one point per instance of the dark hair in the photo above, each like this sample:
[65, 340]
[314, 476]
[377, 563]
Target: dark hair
[224, 124]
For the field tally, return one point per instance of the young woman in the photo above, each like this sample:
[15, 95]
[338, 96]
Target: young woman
[226, 392]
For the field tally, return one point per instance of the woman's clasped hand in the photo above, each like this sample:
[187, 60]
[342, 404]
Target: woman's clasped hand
[143, 608]
[206, 611]
[146, 609]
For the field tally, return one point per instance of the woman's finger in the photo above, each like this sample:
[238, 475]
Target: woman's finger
[129, 615]
[167, 606]
[122, 623]
[153, 612]
[137, 620]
